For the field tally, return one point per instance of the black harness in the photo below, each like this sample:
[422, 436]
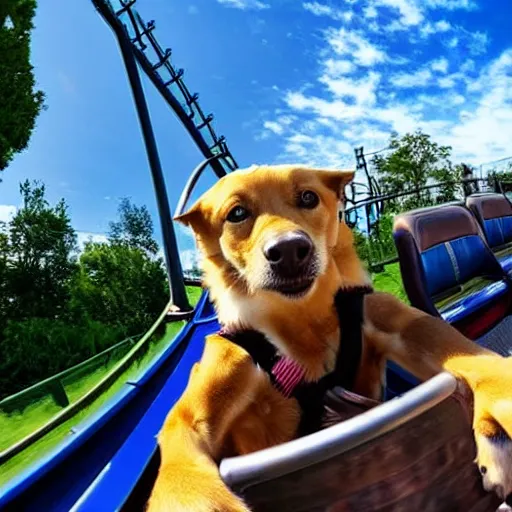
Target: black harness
[349, 305]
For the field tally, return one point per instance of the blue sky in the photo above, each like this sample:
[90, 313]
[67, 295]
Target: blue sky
[287, 81]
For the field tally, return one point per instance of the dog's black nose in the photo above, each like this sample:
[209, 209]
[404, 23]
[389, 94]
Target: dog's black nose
[290, 254]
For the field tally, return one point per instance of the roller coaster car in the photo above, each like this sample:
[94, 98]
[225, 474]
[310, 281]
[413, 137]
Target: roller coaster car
[449, 270]
[415, 452]
[494, 214]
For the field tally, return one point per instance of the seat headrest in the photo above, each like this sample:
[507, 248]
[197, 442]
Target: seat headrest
[432, 226]
[490, 205]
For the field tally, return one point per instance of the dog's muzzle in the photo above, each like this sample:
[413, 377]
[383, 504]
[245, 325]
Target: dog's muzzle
[291, 258]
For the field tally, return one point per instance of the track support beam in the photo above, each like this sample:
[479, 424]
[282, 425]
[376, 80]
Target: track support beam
[171, 254]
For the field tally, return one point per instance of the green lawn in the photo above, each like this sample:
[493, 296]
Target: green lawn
[16, 426]
[390, 281]
[194, 292]
[49, 441]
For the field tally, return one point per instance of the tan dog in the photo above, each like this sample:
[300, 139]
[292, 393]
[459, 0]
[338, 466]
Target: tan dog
[275, 254]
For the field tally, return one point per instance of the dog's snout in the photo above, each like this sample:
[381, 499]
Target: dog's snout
[289, 254]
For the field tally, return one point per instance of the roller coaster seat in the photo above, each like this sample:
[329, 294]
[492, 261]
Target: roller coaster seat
[494, 213]
[449, 270]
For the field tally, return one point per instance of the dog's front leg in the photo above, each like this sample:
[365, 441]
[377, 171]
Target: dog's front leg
[425, 345]
[220, 388]
[490, 378]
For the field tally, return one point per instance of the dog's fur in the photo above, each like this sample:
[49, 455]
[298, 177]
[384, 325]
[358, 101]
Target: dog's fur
[229, 406]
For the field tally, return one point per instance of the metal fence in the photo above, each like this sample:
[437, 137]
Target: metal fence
[496, 166]
[59, 387]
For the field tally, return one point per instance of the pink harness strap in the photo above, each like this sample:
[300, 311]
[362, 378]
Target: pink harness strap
[288, 374]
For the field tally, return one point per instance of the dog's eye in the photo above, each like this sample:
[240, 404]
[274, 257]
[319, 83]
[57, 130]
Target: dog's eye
[308, 199]
[238, 214]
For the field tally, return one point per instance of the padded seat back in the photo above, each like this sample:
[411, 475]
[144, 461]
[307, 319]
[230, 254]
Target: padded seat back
[440, 248]
[494, 213]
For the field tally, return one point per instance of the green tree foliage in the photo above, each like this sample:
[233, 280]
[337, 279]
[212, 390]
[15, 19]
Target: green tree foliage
[39, 247]
[119, 285]
[414, 160]
[34, 349]
[501, 179]
[57, 309]
[134, 227]
[20, 102]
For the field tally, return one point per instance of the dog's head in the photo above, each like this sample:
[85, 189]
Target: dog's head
[270, 227]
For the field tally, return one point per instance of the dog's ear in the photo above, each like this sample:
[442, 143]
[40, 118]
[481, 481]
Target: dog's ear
[337, 180]
[192, 218]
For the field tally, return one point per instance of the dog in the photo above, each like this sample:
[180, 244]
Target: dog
[275, 254]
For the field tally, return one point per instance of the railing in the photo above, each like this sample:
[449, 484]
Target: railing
[55, 386]
[372, 219]
[122, 16]
[134, 354]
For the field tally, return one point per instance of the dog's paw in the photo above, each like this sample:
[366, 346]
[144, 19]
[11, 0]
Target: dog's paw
[494, 460]
[492, 424]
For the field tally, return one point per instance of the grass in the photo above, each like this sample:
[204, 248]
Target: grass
[16, 426]
[35, 451]
[194, 292]
[390, 281]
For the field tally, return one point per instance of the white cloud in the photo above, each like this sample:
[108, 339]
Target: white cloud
[478, 42]
[273, 126]
[190, 258]
[410, 12]
[353, 44]
[245, 4]
[440, 65]
[336, 67]
[419, 78]
[449, 101]
[364, 91]
[453, 42]
[467, 66]
[413, 13]
[429, 28]
[84, 236]
[451, 5]
[450, 81]
[325, 10]
[370, 12]
[7, 212]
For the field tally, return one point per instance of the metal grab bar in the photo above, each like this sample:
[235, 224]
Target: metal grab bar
[191, 183]
[271, 463]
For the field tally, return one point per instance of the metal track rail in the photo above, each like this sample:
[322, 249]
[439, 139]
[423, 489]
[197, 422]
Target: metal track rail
[127, 23]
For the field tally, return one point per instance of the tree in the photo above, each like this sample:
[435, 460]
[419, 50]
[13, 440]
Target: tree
[20, 102]
[120, 286]
[414, 160]
[4, 241]
[38, 247]
[134, 227]
[122, 283]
